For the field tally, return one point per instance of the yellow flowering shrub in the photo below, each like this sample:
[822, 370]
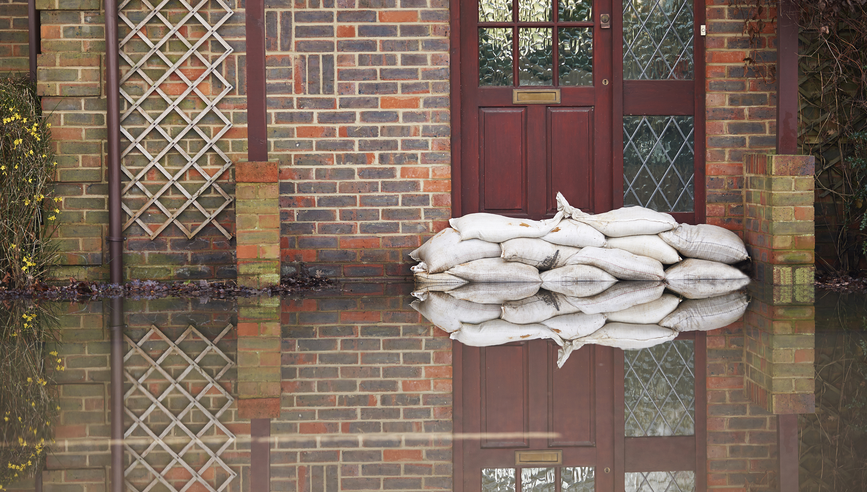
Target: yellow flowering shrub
[28, 213]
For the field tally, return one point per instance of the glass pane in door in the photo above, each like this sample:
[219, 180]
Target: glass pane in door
[659, 390]
[662, 481]
[659, 162]
[538, 480]
[536, 65]
[495, 10]
[575, 10]
[657, 39]
[575, 55]
[577, 479]
[495, 56]
[498, 480]
[534, 10]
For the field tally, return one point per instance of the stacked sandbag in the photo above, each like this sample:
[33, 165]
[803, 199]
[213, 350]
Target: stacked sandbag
[616, 279]
[626, 315]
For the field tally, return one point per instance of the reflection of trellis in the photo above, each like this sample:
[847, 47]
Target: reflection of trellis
[169, 138]
[832, 440]
[189, 446]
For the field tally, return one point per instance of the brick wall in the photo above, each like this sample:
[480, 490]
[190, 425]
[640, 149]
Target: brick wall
[741, 109]
[14, 54]
[361, 126]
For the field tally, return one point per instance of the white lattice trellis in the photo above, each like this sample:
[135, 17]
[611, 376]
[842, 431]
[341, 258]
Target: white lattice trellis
[170, 67]
[168, 448]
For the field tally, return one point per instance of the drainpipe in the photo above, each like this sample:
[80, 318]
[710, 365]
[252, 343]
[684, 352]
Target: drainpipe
[787, 78]
[32, 37]
[112, 89]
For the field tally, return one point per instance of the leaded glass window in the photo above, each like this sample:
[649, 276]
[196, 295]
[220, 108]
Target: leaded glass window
[659, 162]
[657, 39]
[659, 390]
[660, 481]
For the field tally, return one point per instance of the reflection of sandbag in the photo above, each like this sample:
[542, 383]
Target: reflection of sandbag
[649, 312]
[446, 250]
[648, 245]
[495, 293]
[498, 332]
[448, 313]
[627, 221]
[437, 281]
[496, 270]
[572, 326]
[630, 336]
[578, 289]
[496, 228]
[576, 273]
[622, 295]
[698, 279]
[573, 233]
[706, 242]
[621, 264]
[536, 309]
[707, 314]
[535, 252]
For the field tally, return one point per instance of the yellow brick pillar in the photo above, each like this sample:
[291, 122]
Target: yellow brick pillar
[259, 354]
[257, 219]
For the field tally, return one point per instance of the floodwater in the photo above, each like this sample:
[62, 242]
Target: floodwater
[354, 389]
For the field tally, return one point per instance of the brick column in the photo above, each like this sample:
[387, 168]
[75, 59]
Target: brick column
[259, 357]
[779, 348]
[257, 219]
[779, 228]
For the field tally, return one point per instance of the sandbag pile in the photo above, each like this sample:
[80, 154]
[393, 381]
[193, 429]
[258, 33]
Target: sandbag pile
[490, 279]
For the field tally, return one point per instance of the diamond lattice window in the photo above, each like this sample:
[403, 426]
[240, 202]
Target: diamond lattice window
[170, 121]
[659, 390]
[174, 401]
[659, 162]
[657, 39]
[661, 481]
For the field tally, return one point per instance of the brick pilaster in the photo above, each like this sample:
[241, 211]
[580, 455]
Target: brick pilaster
[779, 226]
[257, 218]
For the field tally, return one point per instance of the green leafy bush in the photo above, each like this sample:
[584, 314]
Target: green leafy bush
[28, 212]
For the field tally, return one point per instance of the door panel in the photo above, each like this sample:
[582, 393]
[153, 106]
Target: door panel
[503, 159]
[570, 136]
[504, 407]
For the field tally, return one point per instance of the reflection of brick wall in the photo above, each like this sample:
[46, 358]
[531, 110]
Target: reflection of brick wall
[13, 36]
[742, 437]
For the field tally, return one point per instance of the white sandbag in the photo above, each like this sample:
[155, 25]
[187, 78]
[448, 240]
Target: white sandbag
[497, 228]
[572, 326]
[448, 313]
[626, 221]
[651, 246]
[708, 314]
[703, 289]
[621, 264]
[499, 332]
[496, 270]
[622, 295]
[437, 281]
[446, 250]
[706, 242]
[536, 252]
[578, 289]
[573, 233]
[650, 312]
[576, 273]
[699, 279]
[537, 309]
[494, 293]
[630, 336]
[566, 350]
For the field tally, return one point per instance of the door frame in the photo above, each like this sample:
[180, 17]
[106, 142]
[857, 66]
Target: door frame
[699, 214]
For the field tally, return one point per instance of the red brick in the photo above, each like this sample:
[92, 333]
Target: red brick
[256, 172]
[259, 408]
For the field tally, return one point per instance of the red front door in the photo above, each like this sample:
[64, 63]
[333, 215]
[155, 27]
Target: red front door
[536, 97]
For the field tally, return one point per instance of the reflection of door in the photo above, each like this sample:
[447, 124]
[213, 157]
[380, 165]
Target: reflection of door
[608, 420]
[525, 421]
[536, 97]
